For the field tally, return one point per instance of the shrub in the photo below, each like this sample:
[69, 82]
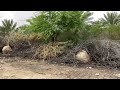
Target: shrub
[21, 40]
[50, 50]
[114, 32]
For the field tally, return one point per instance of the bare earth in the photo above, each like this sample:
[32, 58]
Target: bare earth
[16, 68]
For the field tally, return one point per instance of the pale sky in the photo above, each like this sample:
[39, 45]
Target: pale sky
[18, 16]
[21, 16]
[99, 14]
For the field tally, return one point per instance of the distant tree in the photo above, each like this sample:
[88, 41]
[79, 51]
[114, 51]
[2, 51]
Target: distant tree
[7, 27]
[112, 18]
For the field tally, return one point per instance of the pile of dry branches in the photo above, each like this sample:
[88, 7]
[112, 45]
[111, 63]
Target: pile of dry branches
[102, 52]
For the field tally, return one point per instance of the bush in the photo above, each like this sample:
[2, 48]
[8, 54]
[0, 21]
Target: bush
[16, 39]
[111, 32]
[52, 24]
[114, 32]
[50, 50]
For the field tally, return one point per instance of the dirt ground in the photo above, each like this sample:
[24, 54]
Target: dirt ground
[17, 68]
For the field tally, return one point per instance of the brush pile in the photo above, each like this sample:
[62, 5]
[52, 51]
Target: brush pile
[102, 52]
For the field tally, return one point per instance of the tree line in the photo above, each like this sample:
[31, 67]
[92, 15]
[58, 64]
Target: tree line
[73, 26]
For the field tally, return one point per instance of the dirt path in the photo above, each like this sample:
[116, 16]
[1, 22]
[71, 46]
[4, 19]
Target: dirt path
[26, 69]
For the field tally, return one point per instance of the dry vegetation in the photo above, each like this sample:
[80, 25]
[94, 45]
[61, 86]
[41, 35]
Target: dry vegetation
[101, 52]
[48, 51]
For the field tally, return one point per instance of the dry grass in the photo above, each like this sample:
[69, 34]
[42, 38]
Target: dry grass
[20, 36]
[19, 39]
[50, 50]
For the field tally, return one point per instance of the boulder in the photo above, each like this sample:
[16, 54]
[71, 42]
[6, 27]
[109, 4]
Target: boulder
[6, 50]
[83, 56]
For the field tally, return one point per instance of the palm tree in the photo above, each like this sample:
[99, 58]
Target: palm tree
[112, 18]
[7, 27]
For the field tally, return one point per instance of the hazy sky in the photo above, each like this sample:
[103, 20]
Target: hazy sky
[21, 16]
[99, 14]
[18, 16]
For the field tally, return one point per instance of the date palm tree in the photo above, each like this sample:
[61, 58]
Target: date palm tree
[112, 18]
[7, 27]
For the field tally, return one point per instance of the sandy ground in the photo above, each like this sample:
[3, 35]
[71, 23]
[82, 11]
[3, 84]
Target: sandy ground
[17, 68]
